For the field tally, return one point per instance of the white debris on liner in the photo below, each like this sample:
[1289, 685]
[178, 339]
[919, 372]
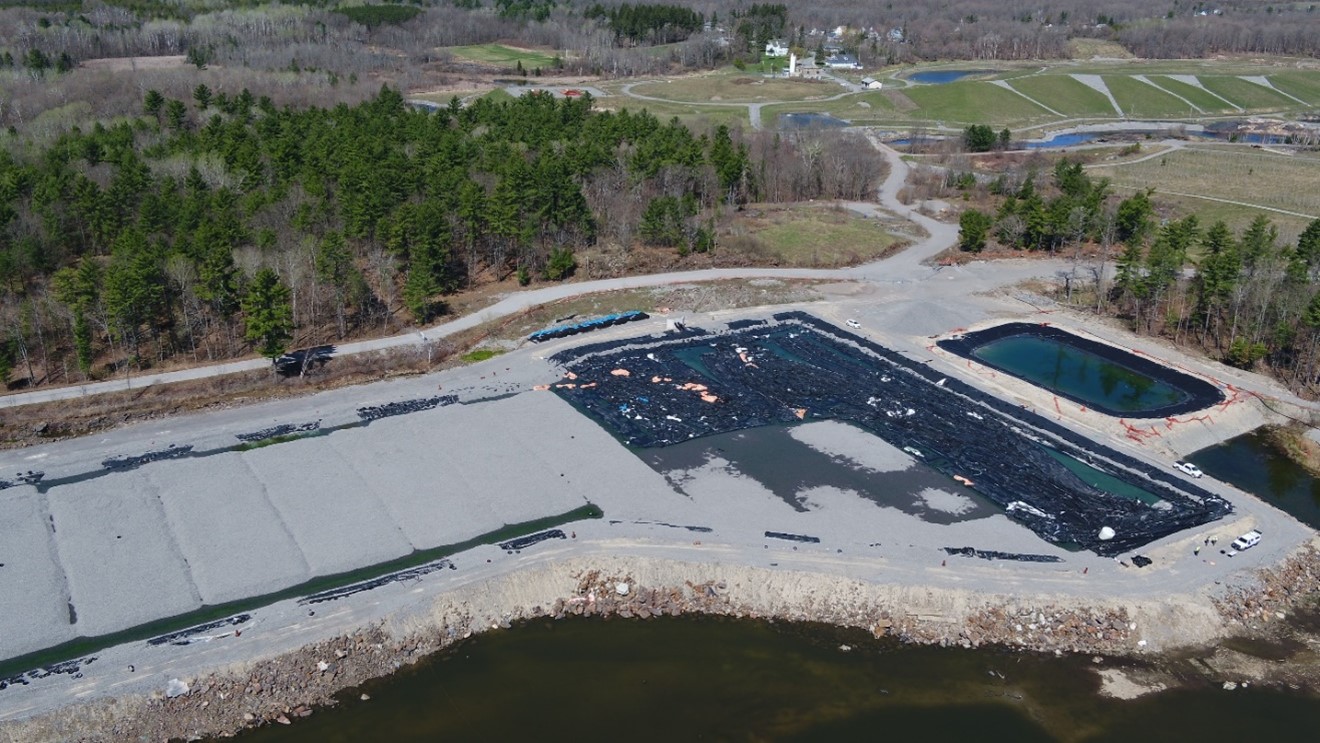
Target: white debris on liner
[945, 501]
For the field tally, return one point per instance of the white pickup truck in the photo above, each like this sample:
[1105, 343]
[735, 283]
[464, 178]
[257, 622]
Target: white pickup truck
[1244, 542]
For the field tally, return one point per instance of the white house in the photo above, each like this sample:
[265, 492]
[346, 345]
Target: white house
[871, 83]
[776, 49]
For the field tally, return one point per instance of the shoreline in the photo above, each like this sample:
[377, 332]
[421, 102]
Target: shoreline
[227, 697]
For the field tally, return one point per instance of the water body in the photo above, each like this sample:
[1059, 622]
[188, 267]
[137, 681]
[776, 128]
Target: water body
[1079, 374]
[940, 77]
[810, 121]
[1255, 464]
[705, 678]
[787, 467]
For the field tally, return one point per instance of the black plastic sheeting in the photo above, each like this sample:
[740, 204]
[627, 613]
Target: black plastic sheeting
[996, 555]
[185, 636]
[132, 463]
[284, 429]
[744, 324]
[335, 594]
[801, 368]
[376, 412]
[586, 326]
[72, 668]
[31, 477]
[513, 545]
[788, 537]
[1200, 393]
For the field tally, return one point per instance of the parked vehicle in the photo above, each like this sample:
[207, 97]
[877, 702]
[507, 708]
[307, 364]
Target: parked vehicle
[1244, 542]
[852, 323]
[1188, 468]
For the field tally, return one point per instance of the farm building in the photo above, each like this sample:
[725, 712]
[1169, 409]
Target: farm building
[843, 62]
[805, 68]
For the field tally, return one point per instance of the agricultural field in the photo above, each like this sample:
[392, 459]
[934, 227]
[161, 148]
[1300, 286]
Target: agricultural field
[1248, 95]
[1304, 85]
[1257, 180]
[1066, 95]
[1200, 97]
[737, 87]
[500, 55]
[1177, 89]
[1143, 100]
[973, 102]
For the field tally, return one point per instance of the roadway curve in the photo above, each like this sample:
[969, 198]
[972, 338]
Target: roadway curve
[908, 265]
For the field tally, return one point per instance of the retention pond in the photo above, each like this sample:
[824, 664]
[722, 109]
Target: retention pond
[1253, 462]
[1102, 377]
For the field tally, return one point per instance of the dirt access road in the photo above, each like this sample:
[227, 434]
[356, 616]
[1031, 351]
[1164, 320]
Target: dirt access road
[905, 266]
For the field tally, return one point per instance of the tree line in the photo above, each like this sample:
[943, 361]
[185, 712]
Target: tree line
[183, 232]
[1247, 300]
[651, 24]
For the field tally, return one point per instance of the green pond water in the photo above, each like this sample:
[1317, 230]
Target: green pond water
[1251, 462]
[1079, 374]
[702, 678]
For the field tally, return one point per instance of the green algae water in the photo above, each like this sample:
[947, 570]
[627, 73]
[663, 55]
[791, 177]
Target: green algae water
[1252, 462]
[1079, 374]
[702, 678]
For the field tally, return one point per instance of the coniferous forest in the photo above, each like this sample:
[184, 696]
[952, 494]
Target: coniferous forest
[178, 234]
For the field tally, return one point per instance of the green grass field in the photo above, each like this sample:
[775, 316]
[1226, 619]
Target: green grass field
[1304, 85]
[1065, 95]
[1201, 98]
[1141, 100]
[1246, 94]
[815, 235]
[504, 56]
[964, 102]
[972, 102]
[737, 87]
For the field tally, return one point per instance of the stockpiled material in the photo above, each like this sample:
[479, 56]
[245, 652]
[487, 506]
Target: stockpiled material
[800, 368]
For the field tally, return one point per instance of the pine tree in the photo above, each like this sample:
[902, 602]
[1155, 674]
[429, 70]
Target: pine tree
[267, 314]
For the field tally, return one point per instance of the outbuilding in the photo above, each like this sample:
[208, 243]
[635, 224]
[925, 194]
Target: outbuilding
[871, 83]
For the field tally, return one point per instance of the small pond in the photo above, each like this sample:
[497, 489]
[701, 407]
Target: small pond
[1069, 139]
[810, 121]
[940, 77]
[1254, 463]
[1102, 377]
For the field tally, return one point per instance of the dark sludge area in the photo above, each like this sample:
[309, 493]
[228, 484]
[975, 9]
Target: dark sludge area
[390, 409]
[1198, 394]
[298, 363]
[656, 391]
